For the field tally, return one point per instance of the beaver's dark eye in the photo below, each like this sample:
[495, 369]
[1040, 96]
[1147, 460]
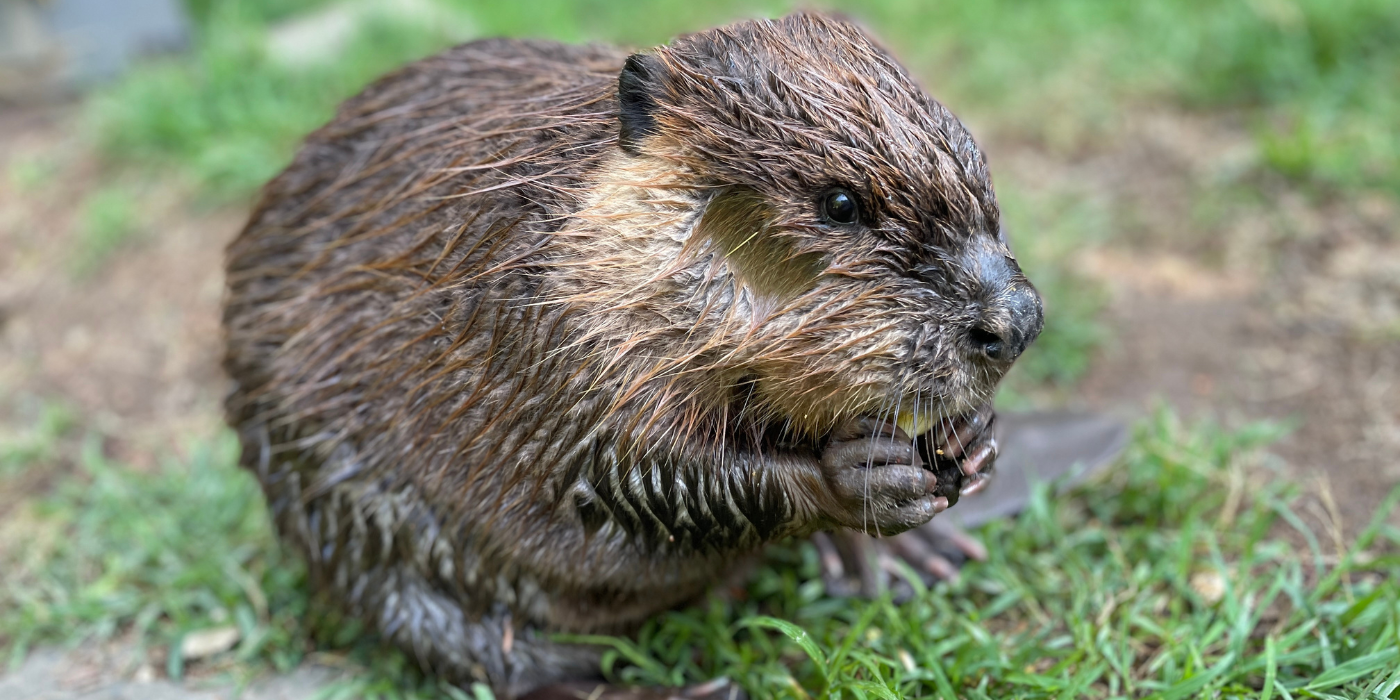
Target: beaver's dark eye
[840, 207]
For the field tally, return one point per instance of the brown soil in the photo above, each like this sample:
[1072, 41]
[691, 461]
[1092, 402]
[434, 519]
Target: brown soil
[131, 347]
[1267, 305]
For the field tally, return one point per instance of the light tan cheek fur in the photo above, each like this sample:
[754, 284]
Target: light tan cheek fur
[639, 232]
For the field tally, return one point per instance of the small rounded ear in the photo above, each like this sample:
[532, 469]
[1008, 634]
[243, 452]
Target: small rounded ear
[636, 95]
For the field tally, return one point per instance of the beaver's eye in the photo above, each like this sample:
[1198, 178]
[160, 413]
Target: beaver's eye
[840, 207]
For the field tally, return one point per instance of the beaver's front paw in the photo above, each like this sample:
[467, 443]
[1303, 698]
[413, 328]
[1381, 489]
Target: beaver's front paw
[879, 483]
[961, 451]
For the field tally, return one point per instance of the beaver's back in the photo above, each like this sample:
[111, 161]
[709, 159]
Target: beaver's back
[469, 144]
[401, 230]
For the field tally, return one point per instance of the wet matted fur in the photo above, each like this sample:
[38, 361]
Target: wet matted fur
[535, 337]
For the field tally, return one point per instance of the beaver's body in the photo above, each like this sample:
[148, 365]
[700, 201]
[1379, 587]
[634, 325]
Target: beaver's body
[501, 372]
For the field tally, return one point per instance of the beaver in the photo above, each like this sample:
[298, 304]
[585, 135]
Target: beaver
[534, 337]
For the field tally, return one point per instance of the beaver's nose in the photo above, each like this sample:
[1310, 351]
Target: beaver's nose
[1023, 319]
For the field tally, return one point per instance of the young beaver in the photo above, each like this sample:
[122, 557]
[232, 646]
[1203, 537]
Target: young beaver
[537, 338]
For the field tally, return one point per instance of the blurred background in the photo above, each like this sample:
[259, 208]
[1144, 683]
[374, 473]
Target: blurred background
[1207, 192]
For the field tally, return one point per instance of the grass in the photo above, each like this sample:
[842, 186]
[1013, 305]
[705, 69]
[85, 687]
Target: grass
[1164, 581]
[117, 551]
[1313, 78]
[43, 426]
[107, 219]
[1111, 593]
[229, 117]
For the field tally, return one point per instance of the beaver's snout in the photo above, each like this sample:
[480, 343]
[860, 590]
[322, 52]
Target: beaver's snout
[1012, 312]
[1024, 318]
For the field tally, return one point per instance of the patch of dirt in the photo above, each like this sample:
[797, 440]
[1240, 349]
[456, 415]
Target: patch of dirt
[132, 346]
[93, 673]
[1239, 306]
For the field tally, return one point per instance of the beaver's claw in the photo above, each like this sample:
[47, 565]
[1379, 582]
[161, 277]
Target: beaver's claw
[1062, 448]
[885, 482]
[961, 452]
[856, 564]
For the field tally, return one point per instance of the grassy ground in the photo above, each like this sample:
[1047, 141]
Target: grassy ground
[1163, 580]
[1171, 579]
[1168, 588]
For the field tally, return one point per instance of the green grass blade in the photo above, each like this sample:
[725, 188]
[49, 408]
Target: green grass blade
[798, 636]
[1194, 684]
[1356, 668]
[1270, 668]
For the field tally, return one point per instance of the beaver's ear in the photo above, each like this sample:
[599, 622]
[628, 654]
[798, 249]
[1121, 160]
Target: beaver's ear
[636, 88]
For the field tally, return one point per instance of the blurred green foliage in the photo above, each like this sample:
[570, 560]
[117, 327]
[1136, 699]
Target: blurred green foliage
[107, 218]
[1316, 77]
[231, 114]
[41, 425]
[31, 174]
[207, 14]
[1047, 232]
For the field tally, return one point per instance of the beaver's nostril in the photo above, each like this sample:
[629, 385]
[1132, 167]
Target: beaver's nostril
[989, 343]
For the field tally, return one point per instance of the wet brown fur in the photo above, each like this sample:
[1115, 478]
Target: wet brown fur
[501, 377]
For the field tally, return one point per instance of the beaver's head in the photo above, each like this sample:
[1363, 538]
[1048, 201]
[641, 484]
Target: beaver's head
[790, 212]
